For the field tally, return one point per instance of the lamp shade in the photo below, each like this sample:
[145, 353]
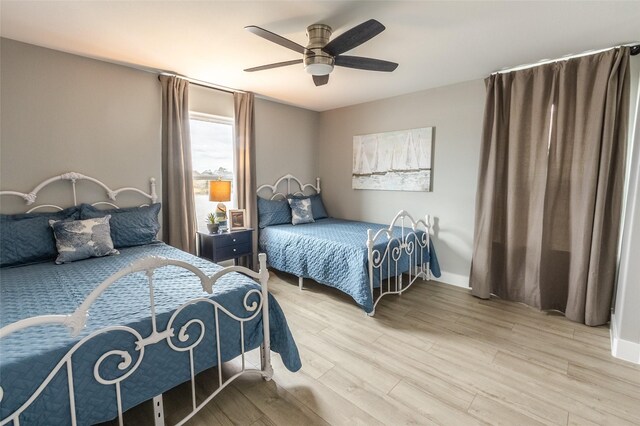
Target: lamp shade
[219, 190]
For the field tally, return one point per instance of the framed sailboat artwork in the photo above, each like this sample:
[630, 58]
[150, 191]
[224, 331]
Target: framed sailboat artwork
[401, 160]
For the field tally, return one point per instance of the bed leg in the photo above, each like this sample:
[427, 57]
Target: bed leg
[265, 347]
[265, 363]
[301, 283]
[158, 411]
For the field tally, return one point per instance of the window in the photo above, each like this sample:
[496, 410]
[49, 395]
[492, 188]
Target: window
[212, 158]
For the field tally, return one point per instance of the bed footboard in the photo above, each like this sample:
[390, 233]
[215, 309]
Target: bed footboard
[178, 334]
[405, 251]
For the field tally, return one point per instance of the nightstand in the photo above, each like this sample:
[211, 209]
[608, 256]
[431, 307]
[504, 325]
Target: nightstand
[226, 245]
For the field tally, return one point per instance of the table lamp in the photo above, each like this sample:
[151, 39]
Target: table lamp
[220, 190]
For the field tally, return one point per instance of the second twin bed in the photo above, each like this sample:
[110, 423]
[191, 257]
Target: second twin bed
[364, 260]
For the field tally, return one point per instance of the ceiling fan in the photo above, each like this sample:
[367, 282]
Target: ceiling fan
[320, 55]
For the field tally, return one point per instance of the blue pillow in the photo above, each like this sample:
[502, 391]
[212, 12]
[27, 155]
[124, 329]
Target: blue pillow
[82, 239]
[273, 212]
[319, 212]
[131, 226]
[301, 211]
[28, 238]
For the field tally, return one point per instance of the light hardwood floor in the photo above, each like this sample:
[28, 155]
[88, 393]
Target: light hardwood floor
[435, 355]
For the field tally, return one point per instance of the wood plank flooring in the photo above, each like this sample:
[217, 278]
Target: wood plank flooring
[435, 355]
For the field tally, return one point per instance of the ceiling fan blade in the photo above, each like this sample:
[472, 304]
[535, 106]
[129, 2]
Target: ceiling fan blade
[354, 37]
[274, 65]
[369, 64]
[275, 38]
[321, 80]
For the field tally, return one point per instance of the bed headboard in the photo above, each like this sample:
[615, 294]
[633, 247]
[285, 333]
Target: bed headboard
[73, 177]
[282, 187]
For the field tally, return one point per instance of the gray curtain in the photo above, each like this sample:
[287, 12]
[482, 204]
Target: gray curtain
[550, 185]
[178, 213]
[245, 164]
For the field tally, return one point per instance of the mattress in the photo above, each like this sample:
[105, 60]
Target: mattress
[27, 356]
[334, 252]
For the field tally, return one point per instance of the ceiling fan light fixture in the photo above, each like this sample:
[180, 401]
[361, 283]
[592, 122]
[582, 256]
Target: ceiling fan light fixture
[321, 53]
[319, 69]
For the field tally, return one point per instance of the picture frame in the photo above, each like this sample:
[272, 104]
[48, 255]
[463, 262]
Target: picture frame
[399, 160]
[237, 219]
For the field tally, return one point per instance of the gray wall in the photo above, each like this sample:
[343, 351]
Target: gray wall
[286, 141]
[456, 113]
[62, 112]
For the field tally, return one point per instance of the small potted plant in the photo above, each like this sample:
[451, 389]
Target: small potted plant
[212, 226]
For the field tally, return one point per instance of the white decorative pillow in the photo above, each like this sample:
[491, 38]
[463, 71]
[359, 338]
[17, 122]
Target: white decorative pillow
[301, 211]
[82, 239]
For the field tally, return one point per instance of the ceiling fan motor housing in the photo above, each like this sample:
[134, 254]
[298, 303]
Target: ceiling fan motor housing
[316, 61]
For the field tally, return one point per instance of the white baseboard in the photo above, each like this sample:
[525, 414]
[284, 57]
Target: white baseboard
[623, 349]
[453, 279]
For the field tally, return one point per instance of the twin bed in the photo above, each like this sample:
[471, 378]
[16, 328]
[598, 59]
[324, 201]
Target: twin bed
[365, 260]
[137, 324]
[82, 342]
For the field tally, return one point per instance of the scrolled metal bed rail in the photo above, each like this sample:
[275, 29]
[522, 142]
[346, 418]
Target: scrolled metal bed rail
[405, 237]
[174, 335]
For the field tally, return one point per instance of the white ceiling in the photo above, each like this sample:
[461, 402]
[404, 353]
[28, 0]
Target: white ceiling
[435, 43]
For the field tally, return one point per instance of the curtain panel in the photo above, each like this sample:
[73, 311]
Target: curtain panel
[245, 164]
[179, 218]
[550, 185]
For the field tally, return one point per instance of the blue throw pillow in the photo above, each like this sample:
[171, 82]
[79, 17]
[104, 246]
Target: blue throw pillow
[301, 211]
[28, 238]
[273, 212]
[131, 226]
[319, 212]
[82, 239]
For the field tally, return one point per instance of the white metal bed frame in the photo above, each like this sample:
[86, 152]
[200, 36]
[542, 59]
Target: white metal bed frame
[74, 177]
[76, 320]
[413, 241]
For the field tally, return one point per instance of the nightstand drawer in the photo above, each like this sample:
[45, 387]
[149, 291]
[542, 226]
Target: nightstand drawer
[231, 252]
[232, 239]
[226, 246]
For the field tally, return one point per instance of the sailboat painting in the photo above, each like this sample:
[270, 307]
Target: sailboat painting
[393, 161]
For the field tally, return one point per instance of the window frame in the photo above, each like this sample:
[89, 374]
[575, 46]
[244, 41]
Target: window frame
[219, 119]
[211, 118]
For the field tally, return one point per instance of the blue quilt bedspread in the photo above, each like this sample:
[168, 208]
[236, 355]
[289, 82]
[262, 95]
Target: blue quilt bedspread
[27, 356]
[333, 252]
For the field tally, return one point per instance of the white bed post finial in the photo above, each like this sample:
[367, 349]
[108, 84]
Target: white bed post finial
[318, 185]
[154, 195]
[30, 198]
[265, 348]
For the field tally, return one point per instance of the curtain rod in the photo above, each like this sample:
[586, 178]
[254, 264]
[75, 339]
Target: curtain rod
[203, 83]
[635, 49]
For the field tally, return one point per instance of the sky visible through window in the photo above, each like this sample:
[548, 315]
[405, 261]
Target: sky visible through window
[212, 158]
[211, 145]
